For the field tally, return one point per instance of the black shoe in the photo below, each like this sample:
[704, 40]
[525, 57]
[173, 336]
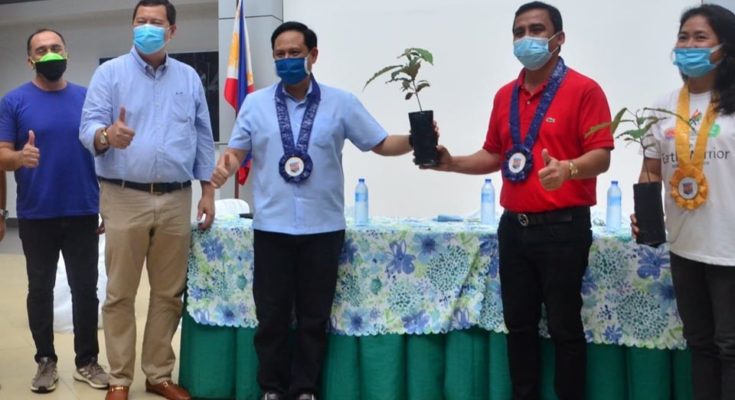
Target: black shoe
[306, 396]
[273, 396]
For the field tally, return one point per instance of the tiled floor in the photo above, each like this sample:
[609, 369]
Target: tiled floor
[17, 366]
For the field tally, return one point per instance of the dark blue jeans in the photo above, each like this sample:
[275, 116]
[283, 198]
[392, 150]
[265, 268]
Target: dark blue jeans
[77, 240]
[294, 275]
[545, 263]
[705, 297]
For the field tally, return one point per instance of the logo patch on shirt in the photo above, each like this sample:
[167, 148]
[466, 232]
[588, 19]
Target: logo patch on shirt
[550, 120]
[696, 118]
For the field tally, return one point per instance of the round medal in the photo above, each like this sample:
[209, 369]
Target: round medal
[688, 183]
[294, 166]
[516, 162]
[688, 187]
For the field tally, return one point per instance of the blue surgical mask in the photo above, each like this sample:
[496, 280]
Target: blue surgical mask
[694, 61]
[533, 52]
[149, 39]
[292, 70]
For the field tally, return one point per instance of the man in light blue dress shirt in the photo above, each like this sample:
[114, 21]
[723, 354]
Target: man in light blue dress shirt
[295, 131]
[145, 119]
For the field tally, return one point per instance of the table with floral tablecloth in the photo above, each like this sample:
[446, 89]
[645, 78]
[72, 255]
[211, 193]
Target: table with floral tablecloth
[409, 276]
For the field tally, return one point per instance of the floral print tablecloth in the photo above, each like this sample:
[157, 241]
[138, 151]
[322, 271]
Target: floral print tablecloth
[407, 276]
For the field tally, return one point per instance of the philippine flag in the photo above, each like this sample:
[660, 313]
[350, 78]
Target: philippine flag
[239, 80]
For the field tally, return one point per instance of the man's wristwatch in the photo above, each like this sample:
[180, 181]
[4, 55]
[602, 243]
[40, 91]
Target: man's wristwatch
[4, 214]
[573, 170]
[104, 139]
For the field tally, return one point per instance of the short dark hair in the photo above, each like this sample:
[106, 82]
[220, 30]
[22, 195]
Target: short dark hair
[41, 30]
[554, 13]
[309, 35]
[170, 9]
[722, 22]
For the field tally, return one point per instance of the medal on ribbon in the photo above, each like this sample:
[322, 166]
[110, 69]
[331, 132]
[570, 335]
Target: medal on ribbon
[295, 165]
[518, 162]
[688, 183]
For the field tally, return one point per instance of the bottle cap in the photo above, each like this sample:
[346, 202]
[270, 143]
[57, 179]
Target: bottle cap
[362, 180]
[488, 180]
[614, 182]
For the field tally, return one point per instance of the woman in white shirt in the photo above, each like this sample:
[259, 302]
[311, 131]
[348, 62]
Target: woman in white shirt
[696, 162]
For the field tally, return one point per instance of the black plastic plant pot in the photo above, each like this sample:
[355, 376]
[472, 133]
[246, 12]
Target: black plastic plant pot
[649, 213]
[423, 138]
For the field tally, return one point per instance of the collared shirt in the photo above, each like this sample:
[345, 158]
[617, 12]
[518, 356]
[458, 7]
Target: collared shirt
[579, 105]
[167, 110]
[317, 204]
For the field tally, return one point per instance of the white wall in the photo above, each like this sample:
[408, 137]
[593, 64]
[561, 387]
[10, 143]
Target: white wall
[93, 29]
[730, 4]
[625, 45]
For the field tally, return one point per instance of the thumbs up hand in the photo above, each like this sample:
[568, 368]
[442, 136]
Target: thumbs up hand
[119, 134]
[553, 174]
[222, 170]
[29, 154]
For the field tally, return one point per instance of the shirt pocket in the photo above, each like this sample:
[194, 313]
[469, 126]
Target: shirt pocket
[326, 133]
[181, 132]
[183, 111]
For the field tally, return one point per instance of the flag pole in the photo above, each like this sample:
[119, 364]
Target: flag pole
[237, 184]
[239, 81]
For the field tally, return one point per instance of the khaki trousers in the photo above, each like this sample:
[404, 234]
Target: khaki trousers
[156, 229]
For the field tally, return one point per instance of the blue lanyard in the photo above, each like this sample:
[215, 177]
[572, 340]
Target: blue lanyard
[546, 97]
[301, 147]
[515, 122]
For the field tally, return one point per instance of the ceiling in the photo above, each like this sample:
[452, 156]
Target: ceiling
[16, 1]
[45, 12]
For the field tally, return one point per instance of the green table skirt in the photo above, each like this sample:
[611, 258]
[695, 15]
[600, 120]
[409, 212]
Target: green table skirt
[220, 363]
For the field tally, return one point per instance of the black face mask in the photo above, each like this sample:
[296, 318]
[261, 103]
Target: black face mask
[51, 70]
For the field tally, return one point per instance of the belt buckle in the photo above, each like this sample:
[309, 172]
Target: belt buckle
[523, 219]
[153, 191]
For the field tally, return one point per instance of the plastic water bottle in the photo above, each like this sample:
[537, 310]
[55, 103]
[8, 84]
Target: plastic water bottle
[487, 203]
[361, 203]
[614, 212]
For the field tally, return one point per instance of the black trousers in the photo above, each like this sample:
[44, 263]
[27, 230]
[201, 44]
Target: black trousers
[544, 264]
[77, 240]
[705, 297]
[294, 275]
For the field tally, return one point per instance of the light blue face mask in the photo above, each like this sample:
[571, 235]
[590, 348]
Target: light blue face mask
[149, 39]
[533, 52]
[694, 61]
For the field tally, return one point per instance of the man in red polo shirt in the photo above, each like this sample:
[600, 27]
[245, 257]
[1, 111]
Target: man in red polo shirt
[537, 139]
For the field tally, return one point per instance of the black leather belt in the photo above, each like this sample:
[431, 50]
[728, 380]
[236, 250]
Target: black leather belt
[550, 217]
[152, 188]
